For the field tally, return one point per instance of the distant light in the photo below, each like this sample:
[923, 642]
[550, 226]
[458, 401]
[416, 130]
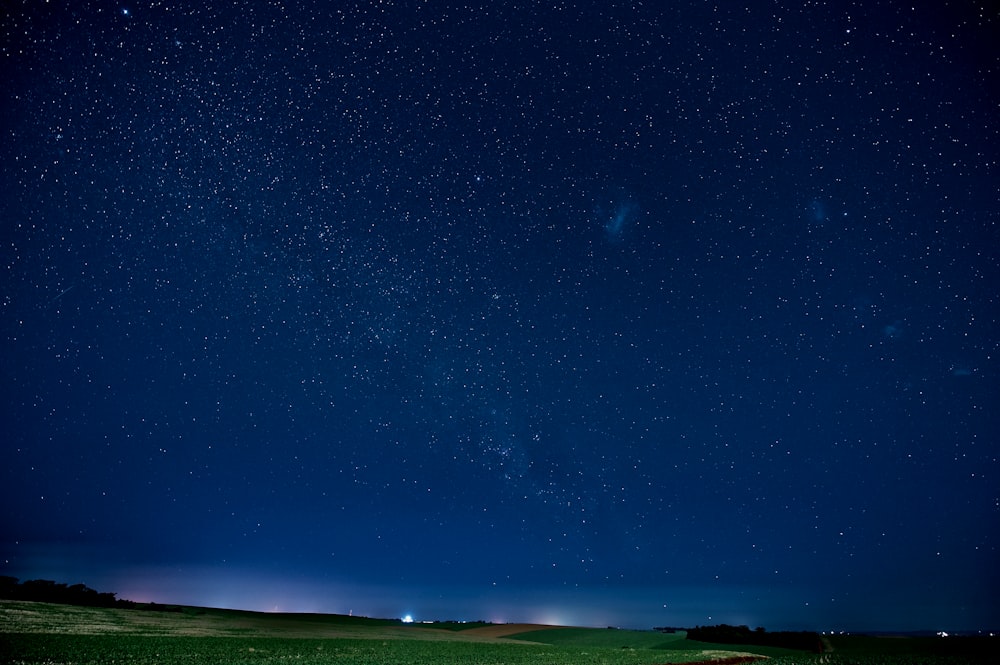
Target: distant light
[407, 619]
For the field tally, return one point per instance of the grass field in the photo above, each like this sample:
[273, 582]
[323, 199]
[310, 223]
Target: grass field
[41, 633]
[46, 634]
[590, 637]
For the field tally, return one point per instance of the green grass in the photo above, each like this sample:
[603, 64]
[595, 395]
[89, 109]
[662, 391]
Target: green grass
[29, 617]
[41, 649]
[599, 637]
[46, 634]
[42, 634]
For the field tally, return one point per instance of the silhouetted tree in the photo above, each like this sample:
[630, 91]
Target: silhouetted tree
[8, 586]
[47, 591]
[725, 634]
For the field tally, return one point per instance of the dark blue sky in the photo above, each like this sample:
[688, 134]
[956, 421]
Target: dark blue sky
[602, 314]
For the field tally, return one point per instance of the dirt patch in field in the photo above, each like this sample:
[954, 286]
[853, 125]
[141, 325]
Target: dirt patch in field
[735, 660]
[505, 629]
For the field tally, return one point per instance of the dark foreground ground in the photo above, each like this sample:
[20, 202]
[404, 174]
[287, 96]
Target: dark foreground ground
[34, 633]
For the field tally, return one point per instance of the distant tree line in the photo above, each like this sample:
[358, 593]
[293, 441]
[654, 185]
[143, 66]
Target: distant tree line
[47, 591]
[725, 634]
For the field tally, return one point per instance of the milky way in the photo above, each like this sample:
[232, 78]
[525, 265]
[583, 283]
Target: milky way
[603, 313]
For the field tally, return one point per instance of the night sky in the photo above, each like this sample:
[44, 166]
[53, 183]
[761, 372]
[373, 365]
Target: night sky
[600, 313]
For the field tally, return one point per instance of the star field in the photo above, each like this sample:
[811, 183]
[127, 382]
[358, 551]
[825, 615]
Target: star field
[591, 313]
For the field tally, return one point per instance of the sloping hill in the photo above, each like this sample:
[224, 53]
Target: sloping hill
[17, 616]
[599, 637]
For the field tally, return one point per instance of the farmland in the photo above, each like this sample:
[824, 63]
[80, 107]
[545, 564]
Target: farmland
[42, 633]
[39, 633]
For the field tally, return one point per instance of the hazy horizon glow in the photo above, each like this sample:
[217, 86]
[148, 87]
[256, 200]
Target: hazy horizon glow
[262, 589]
